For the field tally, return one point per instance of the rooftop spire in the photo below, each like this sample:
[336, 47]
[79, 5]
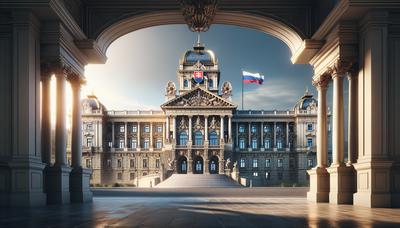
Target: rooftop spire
[198, 45]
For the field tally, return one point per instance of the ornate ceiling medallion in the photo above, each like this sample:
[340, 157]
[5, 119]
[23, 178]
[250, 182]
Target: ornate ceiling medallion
[199, 14]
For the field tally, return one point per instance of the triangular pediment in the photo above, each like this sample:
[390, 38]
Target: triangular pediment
[198, 98]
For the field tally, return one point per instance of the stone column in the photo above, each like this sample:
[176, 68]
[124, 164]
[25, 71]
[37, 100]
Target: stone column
[229, 129]
[249, 136]
[352, 118]
[222, 129]
[79, 177]
[46, 120]
[274, 146]
[341, 176]
[206, 129]
[190, 131]
[58, 175]
[287, 137]
[262, 135]
[138, 146]
[112, 134]
[167, 129]
[319, 177]
[151, 137]
[237, 134]
[164, 133]
[174, 129]
[126, 136]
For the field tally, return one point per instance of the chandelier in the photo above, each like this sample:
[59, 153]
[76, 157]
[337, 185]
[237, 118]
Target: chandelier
[198, 14]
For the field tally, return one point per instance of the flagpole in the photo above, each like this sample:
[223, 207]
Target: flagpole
[242, 89]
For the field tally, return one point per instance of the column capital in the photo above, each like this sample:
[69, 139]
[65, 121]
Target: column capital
[75, 79]
[323, 80]
[341, 67]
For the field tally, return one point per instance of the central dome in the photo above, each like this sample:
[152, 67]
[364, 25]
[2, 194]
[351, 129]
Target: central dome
[206, 57]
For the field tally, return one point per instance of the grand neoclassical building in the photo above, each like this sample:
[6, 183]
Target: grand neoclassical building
[199, 130]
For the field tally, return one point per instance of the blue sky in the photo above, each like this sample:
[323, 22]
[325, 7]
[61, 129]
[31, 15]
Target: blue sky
[141, 63]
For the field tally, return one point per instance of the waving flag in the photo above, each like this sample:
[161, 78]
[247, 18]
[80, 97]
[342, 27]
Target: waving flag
[252, 78]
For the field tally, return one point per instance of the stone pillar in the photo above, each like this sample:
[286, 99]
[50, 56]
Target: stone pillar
[319, 177]
[174, 129]
[190, 131]
[262, 136]
[237, 134]
[341, 176]
[151, 137]
[164, 133]
[46, 120]
[167, 129]
[352, 119]
[126, 136]
[79, 177]
[113, 134]
[222, 129]
[206, 129]
[287, 137]
[58, 175]
[139, 145]
[274, 146]
[249, 136]
[229, 129]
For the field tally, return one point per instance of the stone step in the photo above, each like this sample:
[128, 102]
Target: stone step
[198, 181]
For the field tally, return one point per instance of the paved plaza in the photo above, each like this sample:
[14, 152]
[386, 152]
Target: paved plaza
[218, 207]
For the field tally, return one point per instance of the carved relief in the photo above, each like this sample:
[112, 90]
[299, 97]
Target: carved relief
[226, 90]
[199, 98]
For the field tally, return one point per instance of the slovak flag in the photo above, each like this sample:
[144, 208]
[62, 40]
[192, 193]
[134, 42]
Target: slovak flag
[253, 78]
[198, 76]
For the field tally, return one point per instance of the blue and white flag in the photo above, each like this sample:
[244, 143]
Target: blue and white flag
[252, 78]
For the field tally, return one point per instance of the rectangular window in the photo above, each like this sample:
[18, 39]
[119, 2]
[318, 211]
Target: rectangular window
[255, 163]
[109, 163]
[242, 144]
[119, 163]
[121, 143]
[134, 128]
[255, 174]
[310, 163]
[132, 163]
[119, 176]
[267, 163]
[145, 164]
[279, 144]
[110, 144]
[267, 176]
[122, 129]
[159, 128]
[253, 129]
[241, 128]
[159, 144]
[89, 142]
[133, 144]
[242, 163]
[267, 144]
[88, 163]
[280, 163]
[146, 143]
[157, 163]
[309, 142]
[147, 128]
[132, 176]
[266, 129]
[254, 144]
[310, 127]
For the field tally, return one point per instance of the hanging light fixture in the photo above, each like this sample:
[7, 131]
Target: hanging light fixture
[198, 14]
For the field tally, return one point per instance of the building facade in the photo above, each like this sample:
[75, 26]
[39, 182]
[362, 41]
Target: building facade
[199, 130]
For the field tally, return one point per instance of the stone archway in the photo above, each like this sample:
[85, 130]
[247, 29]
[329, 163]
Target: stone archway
[213, 165]
[182, 165]
[198, 165]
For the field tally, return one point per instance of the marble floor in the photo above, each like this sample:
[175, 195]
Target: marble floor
[243, 207]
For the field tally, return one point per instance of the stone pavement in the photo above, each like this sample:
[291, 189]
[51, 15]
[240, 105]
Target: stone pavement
[239, 207]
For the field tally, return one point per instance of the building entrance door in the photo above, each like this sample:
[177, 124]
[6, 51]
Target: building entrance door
[213, 165]
[182, 165]
[198, 165]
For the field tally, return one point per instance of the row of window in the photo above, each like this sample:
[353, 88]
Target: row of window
[186, 83]
[134, 144]
[146, 128]
[198, 138]
[107, 163]
[310, 163]
[268, 143]
[242, 128]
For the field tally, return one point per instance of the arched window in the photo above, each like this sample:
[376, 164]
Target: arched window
[213, 138]
[183, 138]
[210, 83]
[185, 83]
[198, 138]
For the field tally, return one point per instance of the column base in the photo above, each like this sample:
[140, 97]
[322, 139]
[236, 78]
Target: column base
[79, 185]
[342, 185]
[26, 188]
[373, 183]
[319, 185]
[57, 178]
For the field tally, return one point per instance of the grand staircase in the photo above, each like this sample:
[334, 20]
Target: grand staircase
[198, 181]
